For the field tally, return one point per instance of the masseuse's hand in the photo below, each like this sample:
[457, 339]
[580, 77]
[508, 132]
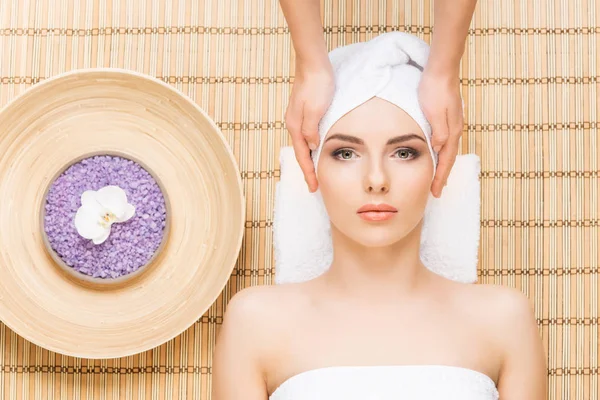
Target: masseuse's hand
[311, 96]
[439, 97]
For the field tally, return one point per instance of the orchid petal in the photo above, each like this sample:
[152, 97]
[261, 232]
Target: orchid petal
[129, 212]
[101, 239]
[87, 221]
[88, 197]
[114, 199]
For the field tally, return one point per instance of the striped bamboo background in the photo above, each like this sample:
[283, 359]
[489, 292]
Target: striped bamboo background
[530, 80]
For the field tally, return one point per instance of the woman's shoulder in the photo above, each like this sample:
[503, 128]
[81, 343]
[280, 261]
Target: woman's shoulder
[501, 310]
[266, 307]
[252, 332]
[256, 319]
[490, 302]
[266, 299]
[503, 302]
[507, 316]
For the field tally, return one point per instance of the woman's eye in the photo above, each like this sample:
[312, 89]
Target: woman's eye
[344, 154]
[405, 154]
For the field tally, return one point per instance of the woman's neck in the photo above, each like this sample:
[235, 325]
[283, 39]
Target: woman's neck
[360, 271]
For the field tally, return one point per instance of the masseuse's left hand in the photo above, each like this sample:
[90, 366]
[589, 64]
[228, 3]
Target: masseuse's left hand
[439, 97]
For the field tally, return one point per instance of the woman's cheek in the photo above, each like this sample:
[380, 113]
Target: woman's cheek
[418, 177]
[340, 189]
[411, 188]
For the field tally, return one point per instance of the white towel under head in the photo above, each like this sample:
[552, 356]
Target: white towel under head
[388, 67]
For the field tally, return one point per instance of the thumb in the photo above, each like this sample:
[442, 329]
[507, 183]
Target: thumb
[310, 126]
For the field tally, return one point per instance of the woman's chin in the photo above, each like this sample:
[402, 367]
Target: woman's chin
[377, 236]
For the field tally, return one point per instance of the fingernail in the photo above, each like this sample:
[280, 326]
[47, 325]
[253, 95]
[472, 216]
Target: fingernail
[312, 146]
[437, 148]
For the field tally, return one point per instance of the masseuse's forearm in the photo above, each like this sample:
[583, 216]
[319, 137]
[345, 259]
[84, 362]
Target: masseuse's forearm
[452, 20]
[304, 20]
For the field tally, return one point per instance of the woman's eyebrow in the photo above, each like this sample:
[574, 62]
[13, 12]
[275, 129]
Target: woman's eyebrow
[392, 141]
[405, 138]
[345, 138]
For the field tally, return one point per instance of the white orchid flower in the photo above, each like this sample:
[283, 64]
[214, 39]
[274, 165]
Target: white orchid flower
[99, 210]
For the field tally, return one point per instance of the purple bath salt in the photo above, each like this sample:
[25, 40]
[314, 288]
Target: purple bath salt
[131, 244]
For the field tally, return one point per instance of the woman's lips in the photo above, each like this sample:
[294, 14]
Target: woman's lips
[377, 212]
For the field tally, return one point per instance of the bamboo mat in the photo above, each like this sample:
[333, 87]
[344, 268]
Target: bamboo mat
[530, 81]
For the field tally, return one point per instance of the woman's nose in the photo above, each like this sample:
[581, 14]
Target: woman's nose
[378, 188]
[376, 180]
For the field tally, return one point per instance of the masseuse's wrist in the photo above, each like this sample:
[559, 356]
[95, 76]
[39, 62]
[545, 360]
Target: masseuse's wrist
[442, 77]
[314, 64]
[444, 63]
[442, 68]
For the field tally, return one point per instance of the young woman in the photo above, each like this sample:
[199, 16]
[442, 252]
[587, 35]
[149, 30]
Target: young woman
[378, 324]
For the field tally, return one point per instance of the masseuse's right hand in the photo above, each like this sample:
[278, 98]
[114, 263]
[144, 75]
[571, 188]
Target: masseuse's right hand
[311, 96]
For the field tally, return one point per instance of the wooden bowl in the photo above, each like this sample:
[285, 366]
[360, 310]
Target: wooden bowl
[115, 112]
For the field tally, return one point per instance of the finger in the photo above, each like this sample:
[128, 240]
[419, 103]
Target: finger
[293, 122]
[440, 131]
[310, 125]
[302, 153]
[455, 120]
[446, 158]
[455, 125]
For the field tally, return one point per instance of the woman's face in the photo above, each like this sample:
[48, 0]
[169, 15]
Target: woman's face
[375, 172]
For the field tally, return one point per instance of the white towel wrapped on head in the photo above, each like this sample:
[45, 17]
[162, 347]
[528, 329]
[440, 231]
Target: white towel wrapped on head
[388, 67]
